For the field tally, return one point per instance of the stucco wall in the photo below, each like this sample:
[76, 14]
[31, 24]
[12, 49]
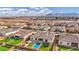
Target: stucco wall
[65, 43]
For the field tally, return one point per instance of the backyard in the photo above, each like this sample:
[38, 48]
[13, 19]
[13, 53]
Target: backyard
[41, 48]
[3, 48]
[12, 41]
[62, 48]
[30, 45]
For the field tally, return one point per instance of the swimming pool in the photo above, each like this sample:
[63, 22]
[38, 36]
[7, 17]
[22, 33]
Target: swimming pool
[36, 45]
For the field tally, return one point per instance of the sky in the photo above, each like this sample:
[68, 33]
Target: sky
[36, 11]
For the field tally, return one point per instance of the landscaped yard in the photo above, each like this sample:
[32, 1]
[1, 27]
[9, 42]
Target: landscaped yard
[14, 42]
[62, 48]
[3, 48]
[11, 41]
[5, 40]
[30, 45]
[43, 48]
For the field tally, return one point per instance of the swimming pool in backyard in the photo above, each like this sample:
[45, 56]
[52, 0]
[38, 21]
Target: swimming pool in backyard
[36, 45]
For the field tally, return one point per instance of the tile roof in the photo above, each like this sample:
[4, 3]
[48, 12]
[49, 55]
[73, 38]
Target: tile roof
[44, 35]
[69, 38]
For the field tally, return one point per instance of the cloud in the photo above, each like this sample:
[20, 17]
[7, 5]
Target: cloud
[33, 11]
[41, 10]
[36, 8]
[5, 9]
[22, 12]
[44, 11]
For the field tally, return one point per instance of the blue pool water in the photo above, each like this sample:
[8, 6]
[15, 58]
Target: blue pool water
[36, 45]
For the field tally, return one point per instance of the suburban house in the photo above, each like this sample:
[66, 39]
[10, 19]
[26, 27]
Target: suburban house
[21, 33]
[58, 28]
[43, 36]
[69, 40]
[3, 27]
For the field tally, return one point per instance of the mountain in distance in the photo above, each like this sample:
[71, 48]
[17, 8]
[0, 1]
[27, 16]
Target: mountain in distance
[63, 14]
[51, 14]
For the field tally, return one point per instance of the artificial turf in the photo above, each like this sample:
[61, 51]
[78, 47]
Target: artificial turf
[3, 48]
[43, 48]
[5, 40]
[30, 45]
[12, 41]
[62, 48]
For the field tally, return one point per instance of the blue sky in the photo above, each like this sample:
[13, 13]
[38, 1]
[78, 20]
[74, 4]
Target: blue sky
[34, 11]
[56, 9]
[65, 9]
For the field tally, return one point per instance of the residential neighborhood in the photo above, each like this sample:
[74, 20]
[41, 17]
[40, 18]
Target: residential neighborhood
[39, 32]
[39, 35]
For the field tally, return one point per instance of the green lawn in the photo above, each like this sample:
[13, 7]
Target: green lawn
[11, 41]
[43, 48]
[3, 48]
[14, 42]
[30, 45]
[62, 48]
[5, 40]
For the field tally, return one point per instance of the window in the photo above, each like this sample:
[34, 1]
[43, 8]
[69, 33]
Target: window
[74, 44]
[60, 42]
[67, 43]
